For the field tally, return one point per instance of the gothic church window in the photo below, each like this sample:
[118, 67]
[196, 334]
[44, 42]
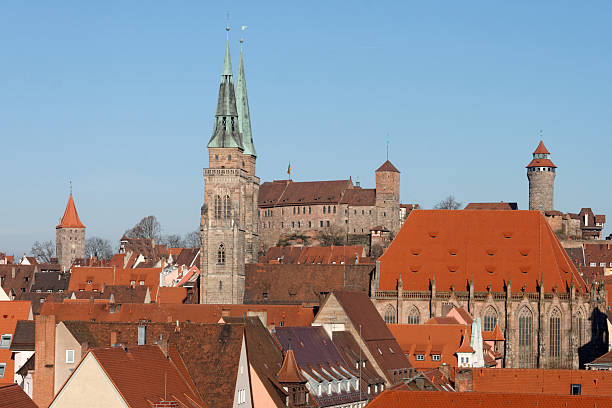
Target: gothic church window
[323, 209]
[218, 207]
[390, 314]
[414, 317]
[227, 207]
[221, 255]
[525, 338]
[555, 337]
[490, 319]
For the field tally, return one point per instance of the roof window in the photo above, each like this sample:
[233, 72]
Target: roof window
[420, 357]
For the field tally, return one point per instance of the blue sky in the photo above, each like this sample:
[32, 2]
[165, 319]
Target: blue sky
[119, 97]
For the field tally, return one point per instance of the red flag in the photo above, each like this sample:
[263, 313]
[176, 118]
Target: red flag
[289, 170]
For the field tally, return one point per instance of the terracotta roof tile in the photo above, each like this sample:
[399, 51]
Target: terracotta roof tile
[541, 149]
[289, 372]
[503, 245]
[387, 166]
[287, 192]
[12, 396]
[491, 206]
[176, 295]
[70, 218]
[541, 163]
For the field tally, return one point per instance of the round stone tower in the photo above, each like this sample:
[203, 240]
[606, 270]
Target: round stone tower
[541, 175]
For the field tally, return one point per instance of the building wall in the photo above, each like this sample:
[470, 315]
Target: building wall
[243, 383]
[89, 387]
[508, 306]
[541, 190]
[69, 245]
[64, 340]
[44, 360]
[21, 357]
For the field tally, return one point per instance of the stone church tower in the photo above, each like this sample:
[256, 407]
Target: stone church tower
[69, 237]
[228, 223]
[541, 175]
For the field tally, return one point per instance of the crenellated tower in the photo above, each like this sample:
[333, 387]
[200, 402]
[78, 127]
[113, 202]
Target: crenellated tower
[541, 174]
[228, 222]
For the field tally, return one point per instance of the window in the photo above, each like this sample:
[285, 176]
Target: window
[265, 296]
[555, 338]
[323, 209]
[141, 283]
[227, 207]
[593, 264]
[221, 255]
[69, 356]
[218, 207]
[490, 319]
[602, 264]
[229, 156]
[329, 209]
[390, 315]
[293, 210]
[309, 224]
[414, 317]
[321, 222]
[435, 357]
[2, 368]
[292, 224]
[5, 341]
[299, 224]
[334, 209]
[328, 223]
[420, 357]
[525, 338]
[575, 389]
[309, 210]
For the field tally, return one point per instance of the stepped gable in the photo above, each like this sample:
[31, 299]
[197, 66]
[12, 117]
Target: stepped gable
[387, 166]
[70, 218]
[490, 247]
[287, 192]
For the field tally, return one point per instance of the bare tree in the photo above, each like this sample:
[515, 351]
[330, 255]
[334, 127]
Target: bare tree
[99, 248]
[173, 241]
[148, 228]
[192, 239]
[43, 251]
[331, 236]
[449, 203]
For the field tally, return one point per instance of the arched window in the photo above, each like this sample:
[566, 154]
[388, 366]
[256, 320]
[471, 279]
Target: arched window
[390, 315]
[525, 338]
[490, 318]
[227, 207]
[414, 317]
[221, 255]
[555, 337]
[218, 207]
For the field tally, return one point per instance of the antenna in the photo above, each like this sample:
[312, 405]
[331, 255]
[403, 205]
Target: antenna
[242, 28]
[387, 146]
[541, 134]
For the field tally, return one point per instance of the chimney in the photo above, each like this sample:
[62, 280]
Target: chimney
[44, 360]
[13, 272]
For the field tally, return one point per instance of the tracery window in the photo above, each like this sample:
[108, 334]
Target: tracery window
[525, 338]
[221, 255]
[227, 207]
[218, 207]
[490, 319]
[414, 317]
[390, 315]
[555, 337]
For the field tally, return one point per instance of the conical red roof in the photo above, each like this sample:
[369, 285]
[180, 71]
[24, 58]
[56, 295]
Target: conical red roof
[541, 149]
[70, 218]
[289, 372]
[388, 166]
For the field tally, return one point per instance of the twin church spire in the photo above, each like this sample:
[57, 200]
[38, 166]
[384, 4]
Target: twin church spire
[232, 120]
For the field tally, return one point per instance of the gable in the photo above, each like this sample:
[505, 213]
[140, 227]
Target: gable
[89, 386]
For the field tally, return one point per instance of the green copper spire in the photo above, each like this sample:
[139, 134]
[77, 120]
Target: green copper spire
[244, 116]
[226, 132]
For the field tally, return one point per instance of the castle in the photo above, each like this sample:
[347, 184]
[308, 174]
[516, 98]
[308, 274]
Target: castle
[228, 222]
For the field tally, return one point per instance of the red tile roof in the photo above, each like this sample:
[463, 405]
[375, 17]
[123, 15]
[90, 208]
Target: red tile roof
[387, 166]
[541, 163]
[491, 206]
[165, 380]
[12, 396]
[10, 313]
[86, 278]
[289, 372]
[490, 247]
[357, 196]
[426, 399]
[176, 295]
[287, 192]
[314, 255]
[538, 381]
[495, 335]
[541, 149]
[70, 218]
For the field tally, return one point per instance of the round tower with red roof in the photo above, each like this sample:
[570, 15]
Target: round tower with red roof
[541, 174]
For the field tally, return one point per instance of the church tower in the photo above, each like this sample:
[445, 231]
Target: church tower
[228, 223]
[69, 237]
[541, 175]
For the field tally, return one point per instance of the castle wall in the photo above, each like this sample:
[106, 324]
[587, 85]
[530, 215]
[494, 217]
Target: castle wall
[541, 190]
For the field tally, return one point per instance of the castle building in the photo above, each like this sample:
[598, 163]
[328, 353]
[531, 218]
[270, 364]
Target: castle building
[228, 223]
[69, 237]
[287, 207]
[507, 268]
[541, 174]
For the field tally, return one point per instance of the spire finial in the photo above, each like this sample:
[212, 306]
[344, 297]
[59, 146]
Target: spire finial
[70, 183]
[242, 28]
[541, 134]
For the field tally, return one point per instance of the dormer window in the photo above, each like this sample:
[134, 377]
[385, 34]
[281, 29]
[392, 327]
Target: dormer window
[5, 341]
[420, 357]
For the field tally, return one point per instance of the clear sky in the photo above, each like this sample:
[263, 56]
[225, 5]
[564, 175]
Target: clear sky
[119, 97]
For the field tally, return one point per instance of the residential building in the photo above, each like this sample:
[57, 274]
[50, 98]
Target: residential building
[69, 237]
[228, 223]
[506, 267]
[10, 313]
[22, 348]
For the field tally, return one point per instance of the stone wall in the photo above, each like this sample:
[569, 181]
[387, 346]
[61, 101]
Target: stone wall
[541, 190]
[69, 244]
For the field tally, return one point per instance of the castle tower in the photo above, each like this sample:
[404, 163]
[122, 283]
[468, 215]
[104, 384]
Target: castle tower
[69, 237]
[541, 175]
[388, 196]
[250, 157]
[228, 193]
